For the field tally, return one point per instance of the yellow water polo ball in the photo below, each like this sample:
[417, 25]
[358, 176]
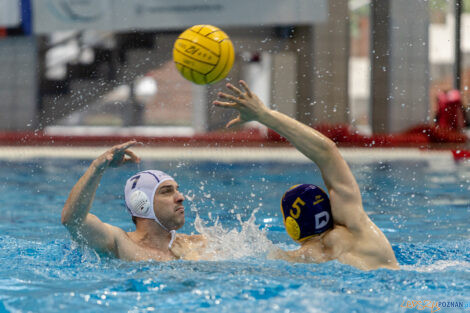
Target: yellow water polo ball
[203, 54]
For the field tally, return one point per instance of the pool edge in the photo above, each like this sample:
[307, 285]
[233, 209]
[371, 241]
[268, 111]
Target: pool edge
[280, 154]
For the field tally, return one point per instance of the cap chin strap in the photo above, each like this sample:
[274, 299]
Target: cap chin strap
[173, 236]
[172, 232]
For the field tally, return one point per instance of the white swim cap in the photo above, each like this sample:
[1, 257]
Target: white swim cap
[139, 193]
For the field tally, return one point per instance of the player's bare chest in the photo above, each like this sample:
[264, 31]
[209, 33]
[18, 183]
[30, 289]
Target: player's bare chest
[132, 251]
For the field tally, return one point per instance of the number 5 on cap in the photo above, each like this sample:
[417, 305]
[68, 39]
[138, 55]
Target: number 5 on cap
[296, 206]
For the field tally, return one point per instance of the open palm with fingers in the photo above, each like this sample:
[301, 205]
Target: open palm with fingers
[117, 156]
[249, 106]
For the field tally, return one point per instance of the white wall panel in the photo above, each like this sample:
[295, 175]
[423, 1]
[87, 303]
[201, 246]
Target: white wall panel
[54, 15]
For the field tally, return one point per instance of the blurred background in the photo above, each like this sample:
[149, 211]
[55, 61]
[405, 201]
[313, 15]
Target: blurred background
[83, 67]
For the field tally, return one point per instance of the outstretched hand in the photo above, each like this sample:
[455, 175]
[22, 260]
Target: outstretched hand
[249, 106]
[117, 156]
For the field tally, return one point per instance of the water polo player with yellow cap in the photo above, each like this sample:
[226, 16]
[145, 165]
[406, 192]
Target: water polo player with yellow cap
[327, 228]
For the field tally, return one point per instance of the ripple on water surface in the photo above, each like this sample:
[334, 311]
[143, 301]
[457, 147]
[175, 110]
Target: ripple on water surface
[44, 271]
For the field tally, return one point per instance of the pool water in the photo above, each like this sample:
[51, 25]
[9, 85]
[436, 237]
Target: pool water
[422, 207]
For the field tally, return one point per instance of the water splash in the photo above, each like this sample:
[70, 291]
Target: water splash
[228, 244]
[438, 266]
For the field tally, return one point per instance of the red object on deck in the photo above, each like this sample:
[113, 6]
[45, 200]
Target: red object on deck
[248, 137]
[450, 115]
[344, 135]
[461, 154]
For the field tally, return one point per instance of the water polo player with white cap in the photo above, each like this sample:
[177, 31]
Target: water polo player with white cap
[140, 193]
[152, 198]
[327, 228]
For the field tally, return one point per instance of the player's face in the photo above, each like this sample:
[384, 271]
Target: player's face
[168, 205]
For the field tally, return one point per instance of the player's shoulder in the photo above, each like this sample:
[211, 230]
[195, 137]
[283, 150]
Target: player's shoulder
[125, 245]
[370, 237]
[118, 234]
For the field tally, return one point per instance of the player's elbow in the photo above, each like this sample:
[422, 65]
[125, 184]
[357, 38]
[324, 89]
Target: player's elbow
[64, 218]
[330, 146]
[328, 151]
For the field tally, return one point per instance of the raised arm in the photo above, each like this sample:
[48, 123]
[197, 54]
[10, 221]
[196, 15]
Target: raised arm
[342, 187]
[83, 226]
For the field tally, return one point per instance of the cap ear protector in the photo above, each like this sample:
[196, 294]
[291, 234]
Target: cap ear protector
[139, 203]
[306, 210]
